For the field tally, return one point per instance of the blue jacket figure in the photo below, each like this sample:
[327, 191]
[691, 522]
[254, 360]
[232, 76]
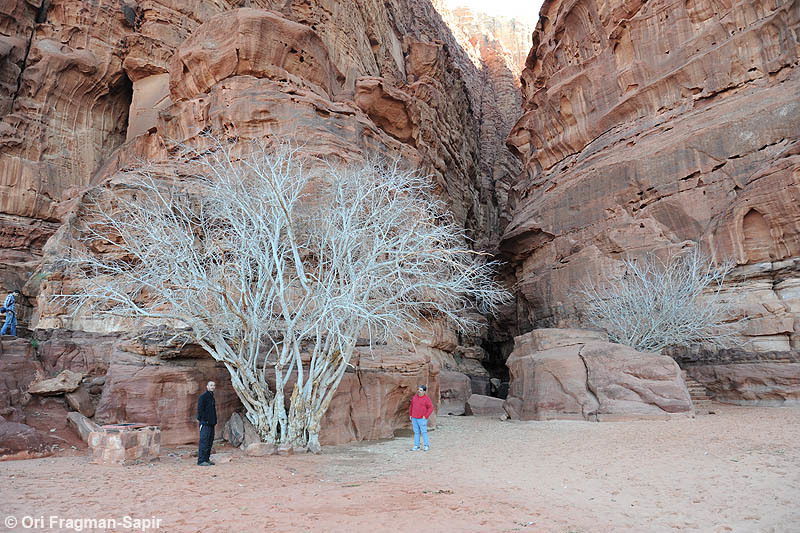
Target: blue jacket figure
[10, 307]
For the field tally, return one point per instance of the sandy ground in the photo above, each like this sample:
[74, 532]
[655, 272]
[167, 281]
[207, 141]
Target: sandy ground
[737, 470]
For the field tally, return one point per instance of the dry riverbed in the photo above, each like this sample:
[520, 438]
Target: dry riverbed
[736, 470]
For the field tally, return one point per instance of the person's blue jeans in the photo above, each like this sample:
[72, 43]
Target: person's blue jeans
[420, 425]
[10, 324]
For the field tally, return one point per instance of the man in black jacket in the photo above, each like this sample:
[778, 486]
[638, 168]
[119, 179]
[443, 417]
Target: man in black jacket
[207, 416]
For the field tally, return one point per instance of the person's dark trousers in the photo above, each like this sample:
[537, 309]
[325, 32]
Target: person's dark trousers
[206, 440]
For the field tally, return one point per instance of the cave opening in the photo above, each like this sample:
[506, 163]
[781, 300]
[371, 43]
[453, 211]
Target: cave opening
[120, 95]
[497, 352]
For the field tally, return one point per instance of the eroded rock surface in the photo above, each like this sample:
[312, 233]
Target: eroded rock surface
[763, 383]
[745, 378]
[372, 401]
[347, 79]
[455, 391]
[89, 88]
[651, 124]
[585, 378]
[149, 390]
[64, 101]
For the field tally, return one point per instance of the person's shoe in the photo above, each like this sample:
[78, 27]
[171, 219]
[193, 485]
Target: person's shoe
[415, 449]
[212, 463]
[205, 463]
[426, 448]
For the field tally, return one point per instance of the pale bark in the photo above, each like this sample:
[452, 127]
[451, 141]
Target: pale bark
[656, 303]
[274, 273]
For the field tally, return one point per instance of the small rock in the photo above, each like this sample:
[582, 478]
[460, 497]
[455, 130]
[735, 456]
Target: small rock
[260, 449]
[98, 381]
[221, 458]
[285, 449]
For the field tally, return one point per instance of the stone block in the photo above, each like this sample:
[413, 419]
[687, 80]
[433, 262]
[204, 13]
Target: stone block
[124, 444]
[480, 405]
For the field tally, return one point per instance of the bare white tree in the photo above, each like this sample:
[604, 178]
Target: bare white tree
[658, 303]
[277, 273]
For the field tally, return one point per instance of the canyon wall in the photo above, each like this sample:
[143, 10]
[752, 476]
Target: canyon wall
[499, 46]
[90, 88]
[64, 101]
[650, 126]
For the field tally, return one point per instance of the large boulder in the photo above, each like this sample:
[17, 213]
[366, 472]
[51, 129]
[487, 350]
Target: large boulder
[551, 384]
[152, 391]
[20, 441]
[630, 384]
[65, 381]
[455, 390]
[372, 401]
[480, 405]
[583, 378]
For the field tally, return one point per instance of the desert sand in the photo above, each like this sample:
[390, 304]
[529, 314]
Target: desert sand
[736, 470]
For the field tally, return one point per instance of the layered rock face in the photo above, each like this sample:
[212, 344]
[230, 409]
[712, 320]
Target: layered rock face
[161, 391]
[64, 101]
[651, 125]
[499, 47]
[156, 380]
[359, 78]
[90, 88]
[372, 401]
[745, 378]
[510, 36]
[578, 375]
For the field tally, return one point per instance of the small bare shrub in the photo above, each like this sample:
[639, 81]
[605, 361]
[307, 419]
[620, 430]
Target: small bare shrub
[658, 303]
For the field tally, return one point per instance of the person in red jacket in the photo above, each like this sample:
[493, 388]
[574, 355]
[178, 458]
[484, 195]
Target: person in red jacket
[420, 410]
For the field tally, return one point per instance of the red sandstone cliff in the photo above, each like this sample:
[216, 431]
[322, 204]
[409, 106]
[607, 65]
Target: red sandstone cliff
[87, 88]
[498, 46]
[648, 125]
